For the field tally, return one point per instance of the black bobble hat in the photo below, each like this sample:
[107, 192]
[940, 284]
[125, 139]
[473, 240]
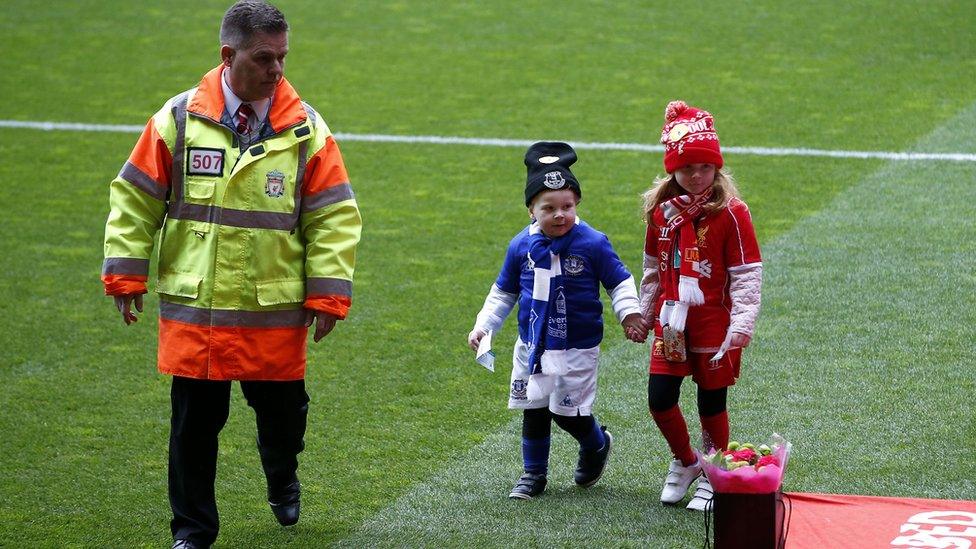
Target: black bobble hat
[547, 164]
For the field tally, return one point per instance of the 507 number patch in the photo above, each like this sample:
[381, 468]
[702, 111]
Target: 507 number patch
[203, 161]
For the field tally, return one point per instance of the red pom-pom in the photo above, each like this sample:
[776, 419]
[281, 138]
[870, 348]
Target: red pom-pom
[674, 109]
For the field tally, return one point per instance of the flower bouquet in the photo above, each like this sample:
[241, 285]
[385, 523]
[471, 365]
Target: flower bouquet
[746, 468]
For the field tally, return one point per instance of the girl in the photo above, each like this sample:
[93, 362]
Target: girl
[700, 291]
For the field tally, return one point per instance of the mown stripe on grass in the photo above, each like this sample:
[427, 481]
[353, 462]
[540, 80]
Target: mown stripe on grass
[522, 143]
[862, 358]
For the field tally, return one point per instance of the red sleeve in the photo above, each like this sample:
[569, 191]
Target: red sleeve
[649, 247]
[741, 246]
[650, 238]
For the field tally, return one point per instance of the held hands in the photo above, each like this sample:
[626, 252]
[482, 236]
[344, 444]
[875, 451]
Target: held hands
[474, 338]
[124, 304]
[324, 322]
[635, 327]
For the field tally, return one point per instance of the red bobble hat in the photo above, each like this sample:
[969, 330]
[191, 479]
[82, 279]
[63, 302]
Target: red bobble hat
[689, 137]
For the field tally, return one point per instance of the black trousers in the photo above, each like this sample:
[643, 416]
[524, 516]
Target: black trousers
[200, 410]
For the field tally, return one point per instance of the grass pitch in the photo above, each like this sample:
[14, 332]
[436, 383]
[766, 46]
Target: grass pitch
[862, 357]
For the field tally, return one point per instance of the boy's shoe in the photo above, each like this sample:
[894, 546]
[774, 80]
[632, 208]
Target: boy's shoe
[703, 495]
[592, 463]
[528, 486]
[678, 480]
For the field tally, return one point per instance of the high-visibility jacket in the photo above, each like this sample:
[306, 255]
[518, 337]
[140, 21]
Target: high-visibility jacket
[247, 239]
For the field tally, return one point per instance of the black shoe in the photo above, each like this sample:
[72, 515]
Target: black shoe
[286, 503]
[528, 486]
[592, 463]
[184, 544]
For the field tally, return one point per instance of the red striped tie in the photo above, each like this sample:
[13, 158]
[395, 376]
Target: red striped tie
[244, 113]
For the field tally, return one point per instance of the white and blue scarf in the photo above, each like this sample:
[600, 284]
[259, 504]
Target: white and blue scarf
[548, 336]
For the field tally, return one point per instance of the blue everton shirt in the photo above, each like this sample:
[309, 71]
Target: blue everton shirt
[589, 262]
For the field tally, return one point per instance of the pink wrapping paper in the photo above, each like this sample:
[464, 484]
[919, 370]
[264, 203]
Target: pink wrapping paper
[746, 480]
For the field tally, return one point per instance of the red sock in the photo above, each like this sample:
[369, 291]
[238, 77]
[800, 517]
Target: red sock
[675, 431]
[715, 431]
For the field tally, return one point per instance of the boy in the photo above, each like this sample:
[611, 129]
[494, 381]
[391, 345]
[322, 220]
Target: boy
[553, 268]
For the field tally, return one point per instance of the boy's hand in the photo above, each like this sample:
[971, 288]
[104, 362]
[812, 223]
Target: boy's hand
[635, 327]
[474, 338]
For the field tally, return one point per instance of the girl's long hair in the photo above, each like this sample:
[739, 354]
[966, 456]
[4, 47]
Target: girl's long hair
[666, 187]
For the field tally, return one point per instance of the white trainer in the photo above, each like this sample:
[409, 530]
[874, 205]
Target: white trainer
[703, 495]
[678, 481]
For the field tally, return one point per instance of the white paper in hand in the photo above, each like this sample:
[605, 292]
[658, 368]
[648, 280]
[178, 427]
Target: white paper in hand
[485, 356]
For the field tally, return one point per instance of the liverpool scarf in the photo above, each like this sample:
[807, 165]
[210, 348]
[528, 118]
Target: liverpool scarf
[547, 331]
[678, 255]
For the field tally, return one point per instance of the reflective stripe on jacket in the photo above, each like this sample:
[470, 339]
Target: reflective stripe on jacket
[247, 239]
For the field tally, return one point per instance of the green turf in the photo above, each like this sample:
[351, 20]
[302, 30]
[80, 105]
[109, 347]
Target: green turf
[879, 371]
[854, 362]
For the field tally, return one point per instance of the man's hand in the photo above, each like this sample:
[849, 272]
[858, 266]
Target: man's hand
[475, 337]
[324, 322]
[635, 327]
[124, 304]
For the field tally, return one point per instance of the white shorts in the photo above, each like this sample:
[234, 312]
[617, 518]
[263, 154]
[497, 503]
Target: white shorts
[575, 392]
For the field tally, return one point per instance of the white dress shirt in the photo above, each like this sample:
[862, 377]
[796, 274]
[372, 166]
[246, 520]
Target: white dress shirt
[232, 103]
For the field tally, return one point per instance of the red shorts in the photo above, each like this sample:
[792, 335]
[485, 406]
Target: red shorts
[707, 375]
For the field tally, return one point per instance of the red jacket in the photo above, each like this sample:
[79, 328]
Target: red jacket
[727, 246]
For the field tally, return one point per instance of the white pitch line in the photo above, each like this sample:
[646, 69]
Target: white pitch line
[522, 143]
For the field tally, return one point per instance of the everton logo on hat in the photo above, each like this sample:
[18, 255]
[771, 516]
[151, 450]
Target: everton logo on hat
[554, 180]
[547, 168]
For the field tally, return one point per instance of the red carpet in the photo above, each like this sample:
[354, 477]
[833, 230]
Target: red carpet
[822, 521]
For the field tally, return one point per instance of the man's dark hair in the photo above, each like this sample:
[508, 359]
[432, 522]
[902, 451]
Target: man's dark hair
[248, 17]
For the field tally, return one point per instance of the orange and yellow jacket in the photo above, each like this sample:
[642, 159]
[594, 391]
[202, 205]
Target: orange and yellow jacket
[246, 239]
